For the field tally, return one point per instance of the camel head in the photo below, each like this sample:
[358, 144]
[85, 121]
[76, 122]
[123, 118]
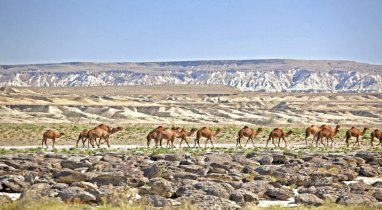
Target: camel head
[289, 133]
[246, 126]
[364, 130]
[176, 128]
[259, 130]
[338, 127]
[62, 133]
[218, 131]
[193, 130]
[114, 130]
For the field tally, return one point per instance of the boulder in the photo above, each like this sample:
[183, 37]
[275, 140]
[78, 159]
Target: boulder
[69, 177]
[106, 179]
[356, 199]
[368, 171]
[308, 199]
[76, 194]
[72, 164]
[152, 171]
[283, 193]
[162, 187]
[266, 160]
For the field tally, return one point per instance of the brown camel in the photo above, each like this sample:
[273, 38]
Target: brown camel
[376, 134]
[98, 132]
[354, 132]
[278, 133]
[169, 135]
[184, 134]
[153, 134]
[311, 130]
[83, 136]
[247, 132]
[206, 133]
[50, 134]
[328, 133]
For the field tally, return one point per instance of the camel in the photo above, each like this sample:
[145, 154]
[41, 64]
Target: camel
[83, 136]
[278, 133]
[50, 134]
[153, 134]
[169, 135]
[184, 134]
[98, 132]
[328, 133]
[311, 130]
[376, 134]
[206, 133]
[247, 132]
[354, 132]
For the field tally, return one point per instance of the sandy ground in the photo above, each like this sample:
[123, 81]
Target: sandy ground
[25, 113]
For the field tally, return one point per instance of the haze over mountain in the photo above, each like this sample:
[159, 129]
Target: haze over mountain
[268, 75]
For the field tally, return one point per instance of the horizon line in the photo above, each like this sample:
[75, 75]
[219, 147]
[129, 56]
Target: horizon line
[181, 60]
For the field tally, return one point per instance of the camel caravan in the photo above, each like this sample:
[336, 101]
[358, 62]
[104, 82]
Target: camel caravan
[160, 133]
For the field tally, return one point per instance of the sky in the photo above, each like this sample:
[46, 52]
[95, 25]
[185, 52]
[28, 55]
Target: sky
[50, 31]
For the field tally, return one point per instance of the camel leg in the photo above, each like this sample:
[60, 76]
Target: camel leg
[79, 138]
[371, 141]
[53, 142]
[306, 138]
[238, 142]
[172, 142]
[356, 141]
[267, 142]
[245, 145]
[285, 142]
[205, 145]
[318, 139]
[42, 142]
[273, 141]
[107, 141]
[185, 139]
[278, 143]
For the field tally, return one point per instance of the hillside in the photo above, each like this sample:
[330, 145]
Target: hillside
[248, 75]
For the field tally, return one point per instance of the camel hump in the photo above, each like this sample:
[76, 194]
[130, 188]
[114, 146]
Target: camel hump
[312, 126]
[204, 128]
[352, 127]
[246, 126]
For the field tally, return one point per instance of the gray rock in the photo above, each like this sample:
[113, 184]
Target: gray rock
[162, 188]
[70, 177]
[5, 200]
[378, 194]
[211, 188]
[111, 158]
[280, 193]
[367, 156]
[173, 157]
[257, 187]
[152, 171]
[279, 158]
[156, 200]
[71, 164]
[76, 194]
[266, 160]
[349, 199]
[106, 179]
[368, 171]
[359, 188]
[241, 196]
[308, 199]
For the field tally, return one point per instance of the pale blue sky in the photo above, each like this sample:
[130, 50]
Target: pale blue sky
[45, 31]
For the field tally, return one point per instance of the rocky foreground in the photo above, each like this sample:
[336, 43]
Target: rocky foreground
[210, 181]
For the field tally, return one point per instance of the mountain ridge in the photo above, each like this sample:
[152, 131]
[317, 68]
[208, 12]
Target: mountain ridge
[266, 75]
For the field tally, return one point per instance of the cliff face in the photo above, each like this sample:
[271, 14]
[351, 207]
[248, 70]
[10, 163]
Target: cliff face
[251, 75]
